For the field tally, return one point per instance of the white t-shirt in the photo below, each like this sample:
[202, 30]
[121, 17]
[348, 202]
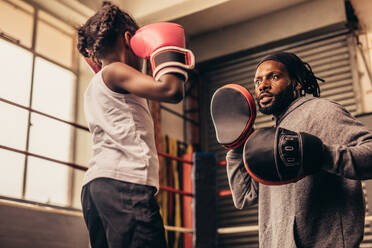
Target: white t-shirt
[123, 136]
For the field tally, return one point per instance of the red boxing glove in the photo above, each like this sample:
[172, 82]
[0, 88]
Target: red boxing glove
[164, 44]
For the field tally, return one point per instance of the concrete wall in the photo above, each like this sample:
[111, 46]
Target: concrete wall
[364, 51]
[29, 226]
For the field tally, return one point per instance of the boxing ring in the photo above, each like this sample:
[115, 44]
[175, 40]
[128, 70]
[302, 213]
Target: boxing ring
[232, 230]
[197, 184]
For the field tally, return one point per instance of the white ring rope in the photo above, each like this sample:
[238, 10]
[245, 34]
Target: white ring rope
[238, 229]
[179, 229]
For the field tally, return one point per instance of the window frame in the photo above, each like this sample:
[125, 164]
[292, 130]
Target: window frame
[74, 69]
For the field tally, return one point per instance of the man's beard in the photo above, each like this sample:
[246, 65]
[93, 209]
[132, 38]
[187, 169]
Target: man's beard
[280, 103]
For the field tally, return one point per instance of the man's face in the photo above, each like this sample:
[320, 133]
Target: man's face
[273, 88]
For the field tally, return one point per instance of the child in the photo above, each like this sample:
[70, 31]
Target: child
[118, 195]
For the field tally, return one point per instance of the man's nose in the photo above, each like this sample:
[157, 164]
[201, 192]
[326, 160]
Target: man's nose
[264, 85]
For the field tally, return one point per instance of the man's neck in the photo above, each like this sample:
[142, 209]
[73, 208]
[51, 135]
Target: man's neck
[279, 116]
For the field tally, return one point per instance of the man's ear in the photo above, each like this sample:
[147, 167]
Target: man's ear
[297, 90]
[127, 37]
[298, 86]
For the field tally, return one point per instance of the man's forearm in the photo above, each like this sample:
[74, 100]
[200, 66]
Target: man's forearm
[244, 188]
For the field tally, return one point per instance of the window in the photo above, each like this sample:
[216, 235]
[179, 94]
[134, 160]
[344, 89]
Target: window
[13, 133]
[16, 21]
[37, 102]
[53, 90]
[16, 68]
[11, 181]
[54, 39]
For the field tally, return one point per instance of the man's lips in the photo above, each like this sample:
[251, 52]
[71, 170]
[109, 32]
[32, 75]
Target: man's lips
[265, 98]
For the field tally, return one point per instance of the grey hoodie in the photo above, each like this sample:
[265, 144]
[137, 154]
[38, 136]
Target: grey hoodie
[322, 210]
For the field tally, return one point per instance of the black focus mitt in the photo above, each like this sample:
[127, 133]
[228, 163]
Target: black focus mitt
[276, 156]
[233, 113]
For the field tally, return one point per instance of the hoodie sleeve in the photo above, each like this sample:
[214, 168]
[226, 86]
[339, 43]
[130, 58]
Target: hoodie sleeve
[353, 161]
[244, 189]
[347, 146]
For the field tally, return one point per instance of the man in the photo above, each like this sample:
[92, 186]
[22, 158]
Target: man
[320, 202]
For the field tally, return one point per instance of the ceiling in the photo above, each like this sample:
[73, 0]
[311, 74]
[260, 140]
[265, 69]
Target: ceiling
[197, 16]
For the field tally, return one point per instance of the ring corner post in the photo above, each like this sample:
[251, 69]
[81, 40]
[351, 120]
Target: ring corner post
[205, 204]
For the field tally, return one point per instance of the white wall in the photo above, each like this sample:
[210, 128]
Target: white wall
[363, 11]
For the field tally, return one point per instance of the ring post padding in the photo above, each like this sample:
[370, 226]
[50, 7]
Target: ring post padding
[205, 200]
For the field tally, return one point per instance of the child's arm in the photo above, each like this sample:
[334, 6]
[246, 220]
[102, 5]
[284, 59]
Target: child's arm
[164, 45]
[119, 76]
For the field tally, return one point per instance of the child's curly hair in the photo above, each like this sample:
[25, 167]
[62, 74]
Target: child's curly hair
[99, 34]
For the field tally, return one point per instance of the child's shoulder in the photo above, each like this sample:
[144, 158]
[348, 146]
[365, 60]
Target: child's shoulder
[116, 70]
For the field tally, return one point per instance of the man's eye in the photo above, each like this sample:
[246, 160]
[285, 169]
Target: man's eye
[257, 82]
[275, 77]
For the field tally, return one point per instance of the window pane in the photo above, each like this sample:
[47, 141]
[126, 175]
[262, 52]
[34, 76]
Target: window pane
[16, 21]
[11, 182]
[54, 39]
[15, 68]
[46, 182]
[50, 138]
[53, 90]
[57, 23]
[78, 184]
[84, 147]
[13, 126]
